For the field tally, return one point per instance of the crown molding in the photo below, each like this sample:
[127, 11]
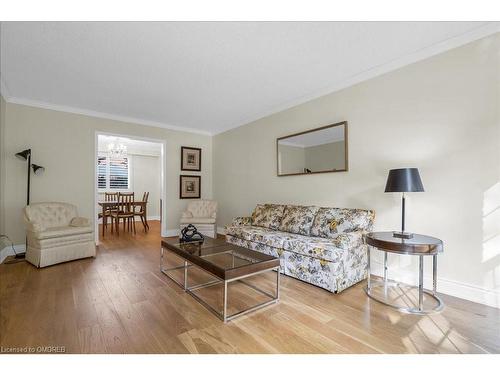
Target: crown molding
[103, 115]
[422, 54]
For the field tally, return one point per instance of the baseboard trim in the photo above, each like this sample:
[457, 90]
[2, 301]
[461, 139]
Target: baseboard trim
[450, 287]
[221, 230]
[7, 251]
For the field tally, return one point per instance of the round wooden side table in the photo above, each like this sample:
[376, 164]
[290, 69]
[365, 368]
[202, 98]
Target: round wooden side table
[419, 245]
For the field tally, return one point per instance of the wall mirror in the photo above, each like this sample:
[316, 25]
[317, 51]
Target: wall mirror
[318, 150]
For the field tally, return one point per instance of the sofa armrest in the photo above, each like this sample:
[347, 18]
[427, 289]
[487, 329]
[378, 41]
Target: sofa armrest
[79, 222]
[349, 240]
[33, 226]
[242, 221]
[187, 215]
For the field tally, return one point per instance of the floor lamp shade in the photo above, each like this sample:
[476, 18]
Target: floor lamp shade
[403, 180]
[23, 155]
[37, 169]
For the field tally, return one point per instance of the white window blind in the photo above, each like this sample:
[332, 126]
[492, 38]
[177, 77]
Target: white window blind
[113, 173]
[102, 172]
[118, 173]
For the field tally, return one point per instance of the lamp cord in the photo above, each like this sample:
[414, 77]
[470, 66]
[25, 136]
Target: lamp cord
[15, 260]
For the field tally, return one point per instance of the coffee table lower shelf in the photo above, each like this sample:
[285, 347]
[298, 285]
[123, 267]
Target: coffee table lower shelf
[222, 315]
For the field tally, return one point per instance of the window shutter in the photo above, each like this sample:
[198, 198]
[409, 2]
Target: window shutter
[101, 172]
[118, 173]
[112, 173]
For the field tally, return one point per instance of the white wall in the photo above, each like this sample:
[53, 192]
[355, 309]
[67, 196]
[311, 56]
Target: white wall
[146, 171]
[64, 143]
[440, 115]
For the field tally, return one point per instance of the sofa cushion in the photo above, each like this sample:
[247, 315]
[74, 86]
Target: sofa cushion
[256, 234]
[331, 221]
[298, 219]
[241, 221]
[268, 215]
[331, 249]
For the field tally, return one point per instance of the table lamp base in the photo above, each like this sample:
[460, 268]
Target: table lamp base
[405, 235]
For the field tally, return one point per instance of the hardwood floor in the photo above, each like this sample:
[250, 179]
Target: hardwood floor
[119, 302]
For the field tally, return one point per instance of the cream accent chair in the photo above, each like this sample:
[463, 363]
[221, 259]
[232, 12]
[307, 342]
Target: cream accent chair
[203, 215]
[56, 234]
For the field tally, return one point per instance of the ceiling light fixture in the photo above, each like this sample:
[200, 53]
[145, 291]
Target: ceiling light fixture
[117, 150]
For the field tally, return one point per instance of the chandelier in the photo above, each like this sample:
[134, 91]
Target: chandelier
[117, 150]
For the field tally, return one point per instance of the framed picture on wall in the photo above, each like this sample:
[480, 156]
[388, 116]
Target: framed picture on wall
[190, 159]
[190, 187]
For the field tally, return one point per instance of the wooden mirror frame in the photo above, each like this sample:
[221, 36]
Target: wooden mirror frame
[310, 131]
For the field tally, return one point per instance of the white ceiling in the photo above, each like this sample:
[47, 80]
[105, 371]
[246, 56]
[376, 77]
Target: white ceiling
[206, 76]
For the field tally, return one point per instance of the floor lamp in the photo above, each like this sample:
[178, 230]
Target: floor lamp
[37, 169]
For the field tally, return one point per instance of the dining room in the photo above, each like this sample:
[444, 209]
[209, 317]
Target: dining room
[128, 186]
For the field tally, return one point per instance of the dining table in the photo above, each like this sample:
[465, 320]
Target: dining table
[109, 205]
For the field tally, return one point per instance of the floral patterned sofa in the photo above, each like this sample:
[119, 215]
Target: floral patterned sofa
[319, 245]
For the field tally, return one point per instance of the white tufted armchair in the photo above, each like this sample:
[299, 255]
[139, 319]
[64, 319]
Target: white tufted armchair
[56, 234]
[203, 215]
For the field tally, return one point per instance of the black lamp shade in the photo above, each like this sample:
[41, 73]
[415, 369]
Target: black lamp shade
[37, 169]
[23, 155]
[404, 180]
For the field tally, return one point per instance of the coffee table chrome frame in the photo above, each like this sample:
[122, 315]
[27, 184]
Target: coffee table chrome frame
[221, 315]
[418, 310]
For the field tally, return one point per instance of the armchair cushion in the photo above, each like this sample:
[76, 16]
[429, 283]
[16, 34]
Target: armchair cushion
[79, 222]
[62, 232]
[197, 220]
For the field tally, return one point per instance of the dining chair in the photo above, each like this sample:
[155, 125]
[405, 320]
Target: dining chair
[125, 211]
[142, 211]
[108, 197]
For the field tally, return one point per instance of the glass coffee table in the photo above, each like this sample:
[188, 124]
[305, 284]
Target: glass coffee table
[225, 263]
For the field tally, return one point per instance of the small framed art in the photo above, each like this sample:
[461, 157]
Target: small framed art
[190, 187]
[190, 159]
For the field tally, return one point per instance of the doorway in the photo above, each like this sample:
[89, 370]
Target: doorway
[133, 166]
